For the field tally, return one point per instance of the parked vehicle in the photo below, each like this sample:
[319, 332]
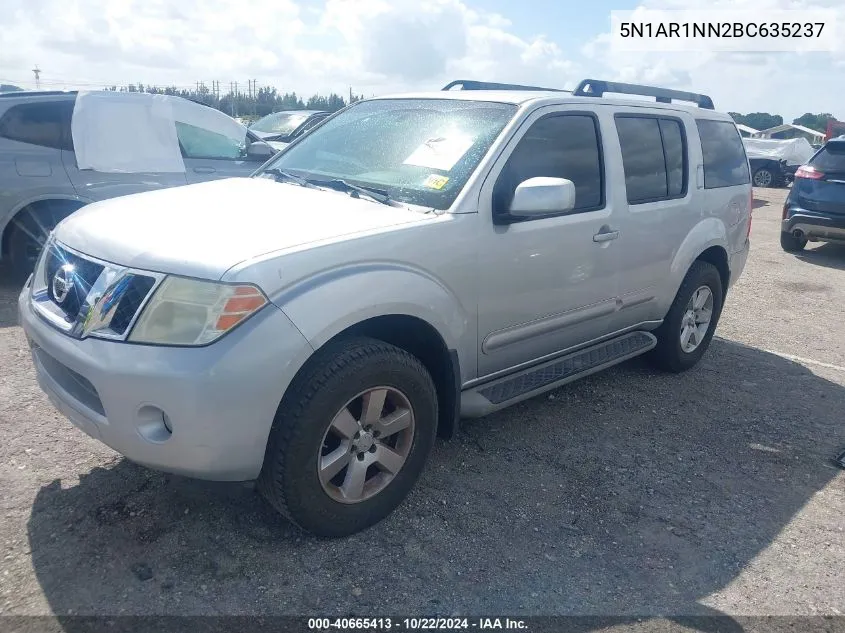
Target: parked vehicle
[815, 207]
[281, 128]
[411, 261]
[130, 142]
[774, 161]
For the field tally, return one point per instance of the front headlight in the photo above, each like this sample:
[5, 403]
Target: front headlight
[192, 312]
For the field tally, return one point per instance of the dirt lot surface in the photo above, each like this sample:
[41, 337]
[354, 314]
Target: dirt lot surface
[630, 492]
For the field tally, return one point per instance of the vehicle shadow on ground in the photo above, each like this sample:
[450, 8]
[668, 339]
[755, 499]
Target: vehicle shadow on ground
[828, 255]
[629, 493]
[9, 291]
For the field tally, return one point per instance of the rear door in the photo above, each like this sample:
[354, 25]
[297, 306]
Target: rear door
[656, 203]
[32, 137]
[822, 188]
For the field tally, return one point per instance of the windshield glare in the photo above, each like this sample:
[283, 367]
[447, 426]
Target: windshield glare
[283, 123]
[421, 151]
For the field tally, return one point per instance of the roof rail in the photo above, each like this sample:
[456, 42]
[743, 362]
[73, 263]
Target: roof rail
[468, 84]
[36, 93]
[597, 88]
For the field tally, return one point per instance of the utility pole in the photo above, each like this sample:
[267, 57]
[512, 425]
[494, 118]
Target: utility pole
[236, 99]
[37, 72]
[254, 97]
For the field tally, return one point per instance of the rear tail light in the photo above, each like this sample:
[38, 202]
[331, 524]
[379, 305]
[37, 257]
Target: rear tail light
[785, 211]
[808, 172]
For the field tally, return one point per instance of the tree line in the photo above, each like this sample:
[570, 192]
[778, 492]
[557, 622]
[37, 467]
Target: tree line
[764, 120]
[251, 105]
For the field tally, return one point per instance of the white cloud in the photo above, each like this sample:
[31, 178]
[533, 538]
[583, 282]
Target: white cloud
[372, 45]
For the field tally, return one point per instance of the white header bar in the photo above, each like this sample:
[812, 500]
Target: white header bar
[688, 30]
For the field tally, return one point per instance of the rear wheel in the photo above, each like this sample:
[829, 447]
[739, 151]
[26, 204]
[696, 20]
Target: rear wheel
[688, 328]
[351, 437]
[764, 177]
[792, 244]
[29, 230]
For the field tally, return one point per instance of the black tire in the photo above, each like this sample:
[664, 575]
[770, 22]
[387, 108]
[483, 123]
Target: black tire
[792, 244]
[27, 230]
[764, 177]
[289, 478]
[668, 355]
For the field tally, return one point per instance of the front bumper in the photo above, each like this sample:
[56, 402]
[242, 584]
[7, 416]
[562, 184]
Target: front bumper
[201, 412]
[815, 225]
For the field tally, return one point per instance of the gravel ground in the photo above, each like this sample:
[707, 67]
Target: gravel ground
[628, 493]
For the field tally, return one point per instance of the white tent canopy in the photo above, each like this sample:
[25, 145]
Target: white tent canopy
[790, 126]
[795, 151]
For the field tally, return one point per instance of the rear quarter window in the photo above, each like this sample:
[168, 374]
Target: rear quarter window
[725, 163]
[46, 124]
[831, 157]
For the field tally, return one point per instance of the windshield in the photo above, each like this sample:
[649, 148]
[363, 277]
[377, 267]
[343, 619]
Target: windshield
[282, 123]
[419, 151]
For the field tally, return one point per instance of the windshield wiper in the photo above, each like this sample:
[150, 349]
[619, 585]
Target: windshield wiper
[280, 173]
[379, 195]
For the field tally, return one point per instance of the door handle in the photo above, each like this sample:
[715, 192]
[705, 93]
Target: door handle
[605, 235]
[204, 170]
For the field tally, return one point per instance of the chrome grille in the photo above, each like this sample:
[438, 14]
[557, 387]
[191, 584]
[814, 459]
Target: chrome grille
[138, 287]
[83, 296]
[85, 275]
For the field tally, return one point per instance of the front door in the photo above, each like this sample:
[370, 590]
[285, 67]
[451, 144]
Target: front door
[548, 283]
[210, 155]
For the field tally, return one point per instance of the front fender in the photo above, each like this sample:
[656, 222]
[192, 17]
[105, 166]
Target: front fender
[326, 304]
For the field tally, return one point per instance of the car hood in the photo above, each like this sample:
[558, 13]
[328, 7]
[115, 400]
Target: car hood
[203, 230]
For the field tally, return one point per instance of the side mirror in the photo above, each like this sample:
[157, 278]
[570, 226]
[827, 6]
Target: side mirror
[259, 151]
[542, 196]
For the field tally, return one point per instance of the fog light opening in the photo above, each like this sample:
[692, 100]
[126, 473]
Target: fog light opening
[154, 425]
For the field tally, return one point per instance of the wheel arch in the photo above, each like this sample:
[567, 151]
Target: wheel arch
[37, 202]
[422, 340]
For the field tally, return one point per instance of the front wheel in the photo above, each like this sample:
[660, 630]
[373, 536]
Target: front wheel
[688, 327]
[28, 232]
[350, 438]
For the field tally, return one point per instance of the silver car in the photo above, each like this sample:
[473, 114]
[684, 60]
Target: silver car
[412, 260]
[41, 181]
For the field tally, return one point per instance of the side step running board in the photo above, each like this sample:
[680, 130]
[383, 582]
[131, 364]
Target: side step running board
[495, 395]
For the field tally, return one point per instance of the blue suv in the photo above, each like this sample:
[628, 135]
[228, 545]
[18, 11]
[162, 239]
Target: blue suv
[815, 208]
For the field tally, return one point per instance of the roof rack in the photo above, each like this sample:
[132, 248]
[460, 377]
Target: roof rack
[597, 88]
[467, 84]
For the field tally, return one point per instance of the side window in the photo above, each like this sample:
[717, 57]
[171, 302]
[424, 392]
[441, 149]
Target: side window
[653, 156]
[725, 164]
[46, 124]
[310, 124]
[198, 142]
[558, 146]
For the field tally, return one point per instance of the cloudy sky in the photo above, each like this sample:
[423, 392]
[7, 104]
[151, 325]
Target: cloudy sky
[381, 46]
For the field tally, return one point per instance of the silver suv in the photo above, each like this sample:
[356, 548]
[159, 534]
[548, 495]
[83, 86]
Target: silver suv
[413, 260]
[41, 181]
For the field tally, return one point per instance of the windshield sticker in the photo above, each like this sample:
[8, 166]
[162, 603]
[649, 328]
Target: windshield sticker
[436, 181]
[441, 152]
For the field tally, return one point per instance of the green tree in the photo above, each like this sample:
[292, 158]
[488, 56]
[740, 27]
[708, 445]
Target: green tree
[758, 120]
[816, 122]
